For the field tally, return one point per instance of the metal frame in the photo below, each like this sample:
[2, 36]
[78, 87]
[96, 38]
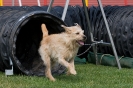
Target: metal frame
[101, 42]
[109, 33]
[90, 31]
[64, 11]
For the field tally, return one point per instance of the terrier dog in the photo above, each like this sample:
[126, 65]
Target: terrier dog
[61, 48]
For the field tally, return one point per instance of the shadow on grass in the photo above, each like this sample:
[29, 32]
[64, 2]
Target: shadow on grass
[69, 78]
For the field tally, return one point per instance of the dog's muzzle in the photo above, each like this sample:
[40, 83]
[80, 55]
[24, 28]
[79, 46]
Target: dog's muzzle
[81, 42]
[84, 38]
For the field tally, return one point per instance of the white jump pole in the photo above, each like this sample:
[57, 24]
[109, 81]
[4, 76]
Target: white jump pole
[38, 1]
[20, 3]
[13, 1]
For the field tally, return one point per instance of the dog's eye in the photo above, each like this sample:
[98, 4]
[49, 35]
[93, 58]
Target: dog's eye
[77, 33]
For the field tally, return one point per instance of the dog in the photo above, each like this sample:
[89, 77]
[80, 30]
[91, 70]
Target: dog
[61, 48]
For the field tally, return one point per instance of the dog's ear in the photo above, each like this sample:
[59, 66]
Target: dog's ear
[76, 24]
[63, 26]
[66, 28]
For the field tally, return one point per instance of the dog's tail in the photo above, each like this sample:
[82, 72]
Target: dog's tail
[44, 30]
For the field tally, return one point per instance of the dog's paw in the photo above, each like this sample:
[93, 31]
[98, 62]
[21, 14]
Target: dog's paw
[52, 79]
[73, 72]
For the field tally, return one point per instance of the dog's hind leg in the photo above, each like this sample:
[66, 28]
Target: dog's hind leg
[48, 70]
[47, 63]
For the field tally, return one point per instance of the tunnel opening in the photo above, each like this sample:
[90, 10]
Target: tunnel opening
[28, 39]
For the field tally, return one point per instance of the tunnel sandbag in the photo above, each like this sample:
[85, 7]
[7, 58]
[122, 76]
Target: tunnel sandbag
[78, 60]
[20, 36]
[109, 60]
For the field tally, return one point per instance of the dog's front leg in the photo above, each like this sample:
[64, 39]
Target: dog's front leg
[68, 66]
[72, 66]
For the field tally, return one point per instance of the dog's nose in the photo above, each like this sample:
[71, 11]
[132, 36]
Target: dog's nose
[84, 37]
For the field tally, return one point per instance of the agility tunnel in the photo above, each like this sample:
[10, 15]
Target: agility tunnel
[20, 33]
[121, 26]
[20, 36]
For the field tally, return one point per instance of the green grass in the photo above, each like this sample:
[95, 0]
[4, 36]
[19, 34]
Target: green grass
[89, 76]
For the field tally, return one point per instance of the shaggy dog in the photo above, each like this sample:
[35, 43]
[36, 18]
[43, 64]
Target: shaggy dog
[61, 48]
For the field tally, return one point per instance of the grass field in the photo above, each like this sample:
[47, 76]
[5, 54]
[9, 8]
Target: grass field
[89, 76]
